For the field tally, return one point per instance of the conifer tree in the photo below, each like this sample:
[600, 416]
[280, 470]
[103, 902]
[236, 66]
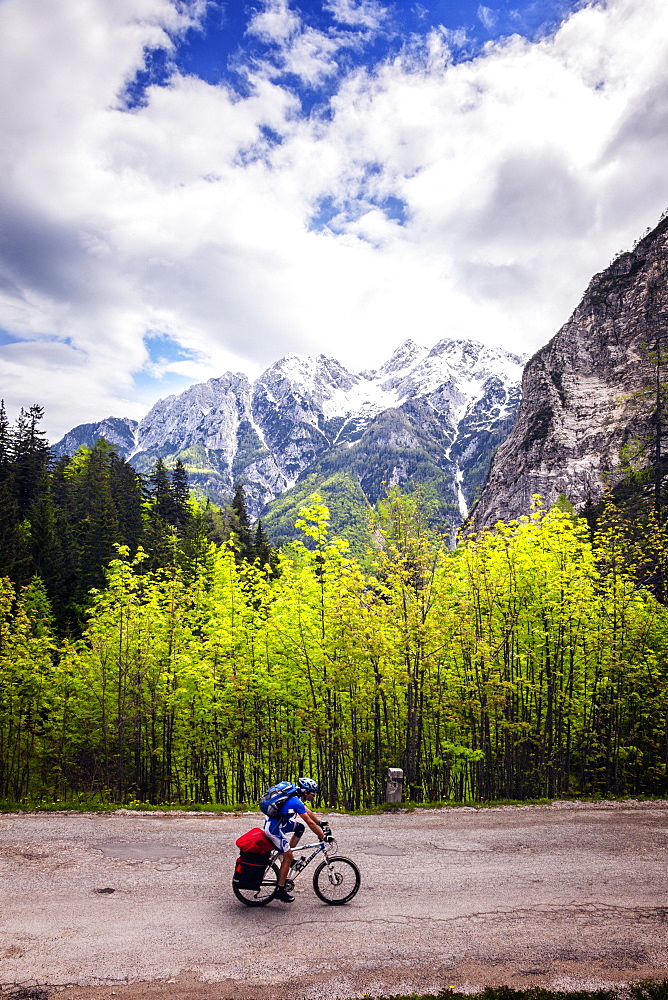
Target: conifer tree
[38, 607]
[264, 553]
[8, 528]
[160, 489]
[160, 536]
[216, 523]
[126, 491]
[46, 544]
[9, 511]
[26, 457]
[99, 526]
[67, 516]
[241, 525]
[180, 494]
[5, 441]
[195, 540]
[30, 457]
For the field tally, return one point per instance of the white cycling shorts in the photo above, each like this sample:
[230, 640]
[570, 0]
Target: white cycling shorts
[279, 833]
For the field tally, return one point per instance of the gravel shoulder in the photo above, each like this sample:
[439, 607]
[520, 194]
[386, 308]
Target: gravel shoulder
[569, 895]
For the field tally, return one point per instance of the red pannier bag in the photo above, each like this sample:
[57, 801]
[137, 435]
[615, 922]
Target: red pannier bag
[252, 864]
[255, 842]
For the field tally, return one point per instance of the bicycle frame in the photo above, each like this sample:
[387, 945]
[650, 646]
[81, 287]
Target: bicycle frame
[299, 864]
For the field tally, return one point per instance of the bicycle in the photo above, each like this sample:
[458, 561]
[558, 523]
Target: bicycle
[335, 880]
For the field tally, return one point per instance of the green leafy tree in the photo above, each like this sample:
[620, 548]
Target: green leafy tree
[529, 662]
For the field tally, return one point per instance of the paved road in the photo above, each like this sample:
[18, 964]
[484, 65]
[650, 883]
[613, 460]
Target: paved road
[564, 895]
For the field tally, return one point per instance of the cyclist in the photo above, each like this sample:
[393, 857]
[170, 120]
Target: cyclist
[279, 829]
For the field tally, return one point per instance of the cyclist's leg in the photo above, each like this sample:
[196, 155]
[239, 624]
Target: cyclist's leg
[298, 834]
[286, 861]
[288, 856]
[276, 833]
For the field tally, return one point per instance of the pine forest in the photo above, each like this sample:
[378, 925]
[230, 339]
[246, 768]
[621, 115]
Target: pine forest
[157, 649]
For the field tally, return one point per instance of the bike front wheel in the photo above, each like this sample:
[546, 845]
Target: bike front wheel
[263, 895]
[336, 881]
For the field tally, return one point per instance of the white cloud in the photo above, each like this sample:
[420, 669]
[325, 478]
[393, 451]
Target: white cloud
[487, 17]
[276, 23]
[518, 175]
[358, 13]
[305, 52]
[310, 55]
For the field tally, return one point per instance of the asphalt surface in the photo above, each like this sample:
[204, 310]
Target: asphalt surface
[567, 896]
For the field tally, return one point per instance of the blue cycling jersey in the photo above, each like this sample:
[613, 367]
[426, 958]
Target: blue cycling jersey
[292, 805]
[279, 828]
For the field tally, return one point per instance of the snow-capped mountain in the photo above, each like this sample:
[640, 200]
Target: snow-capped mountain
[121, 431]
[423, 415]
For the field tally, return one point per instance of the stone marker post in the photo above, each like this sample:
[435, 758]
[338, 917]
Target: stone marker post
[395, 784]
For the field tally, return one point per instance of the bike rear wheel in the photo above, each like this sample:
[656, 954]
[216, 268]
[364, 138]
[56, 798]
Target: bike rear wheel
[336, 881]
[263, 895]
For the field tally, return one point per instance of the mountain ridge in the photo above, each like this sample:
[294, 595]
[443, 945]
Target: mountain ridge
[433, 413]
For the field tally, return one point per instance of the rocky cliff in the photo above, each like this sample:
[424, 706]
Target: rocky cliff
[587, 393]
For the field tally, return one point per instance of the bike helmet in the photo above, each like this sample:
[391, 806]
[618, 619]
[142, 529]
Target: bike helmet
[307, 785]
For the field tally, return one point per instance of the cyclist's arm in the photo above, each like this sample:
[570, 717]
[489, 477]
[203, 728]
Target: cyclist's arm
[312, 824]
[324, 826]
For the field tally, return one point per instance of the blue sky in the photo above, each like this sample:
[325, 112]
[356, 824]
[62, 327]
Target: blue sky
[220, 46]
[221, 39]
[194, 187]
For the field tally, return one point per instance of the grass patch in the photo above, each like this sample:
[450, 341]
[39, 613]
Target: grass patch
[646, 990]
[98, 806]
[409, 806]
[87, 803]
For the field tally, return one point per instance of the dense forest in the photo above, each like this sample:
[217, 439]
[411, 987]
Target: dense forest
[155, 649]
[61, 520]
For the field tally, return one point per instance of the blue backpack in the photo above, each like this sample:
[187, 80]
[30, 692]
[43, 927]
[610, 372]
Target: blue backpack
[275, 797]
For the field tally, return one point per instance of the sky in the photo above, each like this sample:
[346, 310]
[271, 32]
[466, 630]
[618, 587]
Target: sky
[189, 187]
